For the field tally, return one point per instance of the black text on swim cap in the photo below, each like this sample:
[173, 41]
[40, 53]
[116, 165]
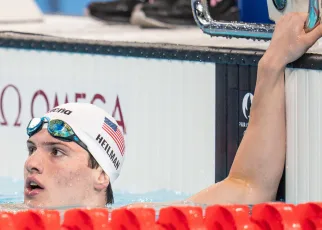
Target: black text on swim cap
[107, 148]
[61, 110]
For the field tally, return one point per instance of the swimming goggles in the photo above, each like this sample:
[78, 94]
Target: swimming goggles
[57, 128]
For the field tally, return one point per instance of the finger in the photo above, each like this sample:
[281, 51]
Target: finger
[311, 37]
[290, 16]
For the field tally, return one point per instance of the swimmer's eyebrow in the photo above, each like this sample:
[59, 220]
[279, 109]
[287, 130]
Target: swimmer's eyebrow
[30, 142]
[49, 143]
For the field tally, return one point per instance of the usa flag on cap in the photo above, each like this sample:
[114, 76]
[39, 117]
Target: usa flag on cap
[115, 133]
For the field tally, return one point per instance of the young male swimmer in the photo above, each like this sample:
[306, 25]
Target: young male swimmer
[80, 172]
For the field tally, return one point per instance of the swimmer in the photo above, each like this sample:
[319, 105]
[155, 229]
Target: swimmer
[76, 151]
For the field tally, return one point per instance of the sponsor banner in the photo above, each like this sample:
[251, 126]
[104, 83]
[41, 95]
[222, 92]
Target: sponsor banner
[165, 108]
[245, 102]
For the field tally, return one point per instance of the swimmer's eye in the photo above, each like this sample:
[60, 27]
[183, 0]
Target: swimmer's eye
[57, 152]
[31, 149]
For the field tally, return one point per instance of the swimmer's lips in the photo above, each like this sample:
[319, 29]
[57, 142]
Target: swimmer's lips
[33, 187]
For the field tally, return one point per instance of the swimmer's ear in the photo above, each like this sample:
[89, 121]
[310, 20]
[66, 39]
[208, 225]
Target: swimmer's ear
[101, 180]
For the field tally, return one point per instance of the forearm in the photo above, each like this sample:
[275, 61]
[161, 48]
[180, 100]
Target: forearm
[259, 161]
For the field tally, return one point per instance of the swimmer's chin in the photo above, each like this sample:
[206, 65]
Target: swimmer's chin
[37, 204]
[33, 205]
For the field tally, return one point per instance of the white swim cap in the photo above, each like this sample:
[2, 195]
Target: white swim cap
[98, 130]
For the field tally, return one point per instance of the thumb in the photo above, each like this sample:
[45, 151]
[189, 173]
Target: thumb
[311, 37]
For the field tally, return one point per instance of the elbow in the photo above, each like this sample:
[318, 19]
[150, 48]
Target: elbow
[252, 192]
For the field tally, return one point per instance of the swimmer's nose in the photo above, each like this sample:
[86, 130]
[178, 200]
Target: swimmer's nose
[34, 163]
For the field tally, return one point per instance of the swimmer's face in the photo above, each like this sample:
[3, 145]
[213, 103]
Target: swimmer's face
[56, 173]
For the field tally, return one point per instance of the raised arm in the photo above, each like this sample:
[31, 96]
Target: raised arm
[258, 166]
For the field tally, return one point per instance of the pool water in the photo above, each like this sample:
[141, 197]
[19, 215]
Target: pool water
[124, 198]
[11, 192]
